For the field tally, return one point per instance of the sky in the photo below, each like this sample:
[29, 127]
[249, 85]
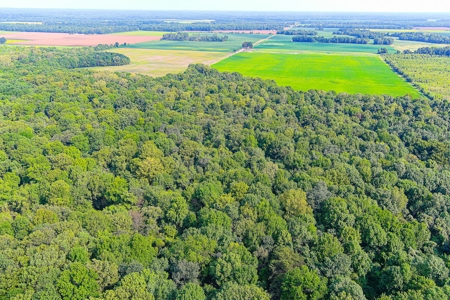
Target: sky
[242, 5]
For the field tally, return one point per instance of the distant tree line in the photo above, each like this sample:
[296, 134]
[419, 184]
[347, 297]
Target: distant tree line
[358, 25]
[333, 40]
[100, 28]
[383, 41]
[297, 32]
[183, 36]
[73, 58]
[422, 37]
[89, 28]
[2, 40]
[363, 34]
[445, 51]
[101, 47]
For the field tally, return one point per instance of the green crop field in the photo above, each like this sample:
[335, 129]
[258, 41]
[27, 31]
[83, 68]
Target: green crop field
[283, 43]
[234, 43]
[341, 73]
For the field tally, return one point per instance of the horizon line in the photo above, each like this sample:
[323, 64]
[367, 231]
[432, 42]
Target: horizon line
[231, 11]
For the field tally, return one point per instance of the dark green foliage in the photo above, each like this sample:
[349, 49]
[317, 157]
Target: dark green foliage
[361, 33]
[206, 185]
[184, 36]
[422, 37]
[383, 41]
[333, 40]
[444, 51]
[247, 45]
[297, 32]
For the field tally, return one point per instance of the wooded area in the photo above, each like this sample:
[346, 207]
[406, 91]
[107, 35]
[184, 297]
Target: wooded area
[333, 40]
[184, 36]
[208, 185]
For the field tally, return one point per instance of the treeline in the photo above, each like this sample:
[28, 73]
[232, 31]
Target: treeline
[184, 36]
[90, 28]
[177, 27]
[356, 25]
[101, 47]
[422, 37]
[336, 39]
[70, 59]
[383, 41]
[101, 28]
[444, 51]
[359, 33]
[297, 32]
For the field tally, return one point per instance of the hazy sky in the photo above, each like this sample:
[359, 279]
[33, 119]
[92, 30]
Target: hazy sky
[269, 5]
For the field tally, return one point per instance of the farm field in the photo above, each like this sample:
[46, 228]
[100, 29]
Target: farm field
[234, 43]
[283, 43]
[161, 62]
[430, 73]
[65, 39]
[341, 73]
[413, 45]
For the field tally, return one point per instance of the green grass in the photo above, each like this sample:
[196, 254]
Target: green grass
[141, 33]
[342, 73]
[283, 43]
[234, 43]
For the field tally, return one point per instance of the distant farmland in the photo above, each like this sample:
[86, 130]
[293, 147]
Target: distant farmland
[342, 73]
[283, 43]
[234, 43]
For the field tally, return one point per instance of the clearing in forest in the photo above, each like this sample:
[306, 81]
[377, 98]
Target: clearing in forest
[161, 62]
[366, 74]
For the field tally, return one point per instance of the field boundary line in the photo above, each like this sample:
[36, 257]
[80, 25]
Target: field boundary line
[413, 84]
[242, 50]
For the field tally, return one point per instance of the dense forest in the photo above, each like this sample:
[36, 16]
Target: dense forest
[297, 32]
[444, 51]
[422, 37]
[184, 36]
[383, 41]
[360, 33]
[69, 59]
[335, 39]
[208, 185]
[427, 68]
